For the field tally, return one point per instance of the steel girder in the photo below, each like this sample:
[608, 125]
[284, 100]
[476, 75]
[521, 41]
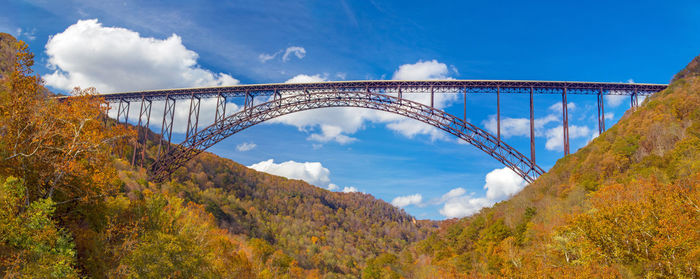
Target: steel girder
[205, 138]
[394, 86]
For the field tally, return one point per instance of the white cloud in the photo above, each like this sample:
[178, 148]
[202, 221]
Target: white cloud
[555, 136]
[350, 189]
[509, 126]
[297, 51]
[422, 70]
[456, 192]
[29, 35]
[615, 100]
[331, 133]
[332, 187]
[519, 126]
[556, 107]
[311, 172]
[609, 115]
[462, 206]
[403, 201]
[306, 79]
[500, 184]
[264, 57]
[116, 59]
[246, 146]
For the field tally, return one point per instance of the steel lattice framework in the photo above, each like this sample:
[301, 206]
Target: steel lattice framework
[386, 96]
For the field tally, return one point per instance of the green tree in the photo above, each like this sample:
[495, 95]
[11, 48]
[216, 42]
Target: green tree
[31, 244]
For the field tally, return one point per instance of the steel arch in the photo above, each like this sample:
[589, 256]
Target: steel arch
[279, 106]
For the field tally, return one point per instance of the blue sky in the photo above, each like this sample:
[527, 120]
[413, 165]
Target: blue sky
[129, 45]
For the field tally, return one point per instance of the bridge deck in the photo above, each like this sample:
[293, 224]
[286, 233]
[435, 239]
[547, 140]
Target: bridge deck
[393, 86]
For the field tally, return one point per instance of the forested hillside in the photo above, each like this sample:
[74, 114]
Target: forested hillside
[626, 205]
[71, 205]
[296, 224]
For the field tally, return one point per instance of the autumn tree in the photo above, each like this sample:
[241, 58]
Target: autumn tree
[60, 147]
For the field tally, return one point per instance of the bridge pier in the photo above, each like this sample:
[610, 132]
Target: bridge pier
[565, 121]
[220, 108]
[166, 129]
[532, 128]
[465, 105]
[123, 109]
[194, 111]
[498, 111]
[142, 131]
[601, 112]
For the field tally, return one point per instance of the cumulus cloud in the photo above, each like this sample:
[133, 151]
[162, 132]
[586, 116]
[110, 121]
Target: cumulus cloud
[116, 59]
[403, 201]
[311, 172]
[332, 187]
[337, 124]
[246, 146]
[500, 184]
[422, 70]
[350, 189]
[306, 79]
[464, 206]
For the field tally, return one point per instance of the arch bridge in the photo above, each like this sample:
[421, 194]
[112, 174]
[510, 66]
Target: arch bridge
[388, 96]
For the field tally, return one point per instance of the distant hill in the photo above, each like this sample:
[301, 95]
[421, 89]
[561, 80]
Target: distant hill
[626, 205]
[320, 230]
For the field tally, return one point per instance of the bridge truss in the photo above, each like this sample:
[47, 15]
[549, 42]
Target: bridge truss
[389, 96]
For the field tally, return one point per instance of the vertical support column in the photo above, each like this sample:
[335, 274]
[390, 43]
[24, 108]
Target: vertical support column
[138, 133]
[634, 101]
[498, 112]
[107, 112]
[532, 129]
[166, 129]
[465, 105]
[565, 121]
[194, 111]
[601, 112]
[432, 97]
[400, 94]
[220, 109]
[145, 134]
[248, 103]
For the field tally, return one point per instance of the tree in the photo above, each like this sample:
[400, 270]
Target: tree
[59, 147]
[31, 244]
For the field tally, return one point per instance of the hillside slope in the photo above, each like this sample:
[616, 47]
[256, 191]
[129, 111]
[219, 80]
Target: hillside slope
[328, 233]
[626, 205]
